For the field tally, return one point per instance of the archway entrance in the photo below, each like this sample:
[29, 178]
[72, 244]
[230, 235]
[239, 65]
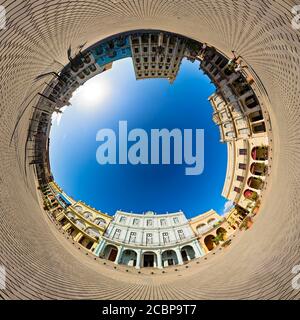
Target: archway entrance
[188, 253]
[222, 234]
[110, 253]
[149, 260]
[129, 258]
[208, 241]
[169, 258]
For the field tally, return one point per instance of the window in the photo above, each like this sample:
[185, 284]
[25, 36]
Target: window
[251, 102]
[244, 131]
[219, 60]
[256, 116]
[122, 219]
[145, 49]
[176, 220]
[258, 128]
[136, 222]
[132, 237]
[240, 178]
[243, 152]
[181, 234]
[100, 222]
[88, 215]
[236, 189]
[117, 234]
[166, 238]
[242, 166]
[149, 223]
[163, 222]
[136, 50]
[149, 238]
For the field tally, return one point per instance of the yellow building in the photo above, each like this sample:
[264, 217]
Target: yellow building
[236, 216]
[84, 224]
[211, 229]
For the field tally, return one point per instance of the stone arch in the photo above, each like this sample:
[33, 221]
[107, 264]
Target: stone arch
[208, 241]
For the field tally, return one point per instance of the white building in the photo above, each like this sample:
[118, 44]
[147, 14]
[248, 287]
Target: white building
[149, 240]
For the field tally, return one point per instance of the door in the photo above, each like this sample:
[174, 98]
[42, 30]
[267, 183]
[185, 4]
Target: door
[112, 255]
[148, 260]
[184, 256]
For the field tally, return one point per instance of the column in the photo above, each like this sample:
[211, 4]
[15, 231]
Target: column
[159, 260]
[78, 236]
[67, 226]
[118, 258]
[179, 256]
[196, 247]
[100, 247]
[138, 259]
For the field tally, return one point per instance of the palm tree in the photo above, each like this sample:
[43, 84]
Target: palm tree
[218, 238]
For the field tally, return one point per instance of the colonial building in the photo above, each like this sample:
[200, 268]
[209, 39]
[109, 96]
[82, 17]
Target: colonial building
[211, 229]
[85, 225]
[247, 169]
[242, 126]
[236, 216]
[157, 54]
[149, 240]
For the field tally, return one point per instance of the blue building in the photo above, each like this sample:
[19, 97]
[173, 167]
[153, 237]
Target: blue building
[111, 50]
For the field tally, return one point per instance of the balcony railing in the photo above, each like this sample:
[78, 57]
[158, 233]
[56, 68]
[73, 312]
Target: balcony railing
[150, 245]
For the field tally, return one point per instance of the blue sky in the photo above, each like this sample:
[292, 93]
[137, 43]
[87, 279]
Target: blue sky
[115, 96]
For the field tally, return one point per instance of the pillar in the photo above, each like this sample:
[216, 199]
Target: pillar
[159, 260]
[78, 236]
[67, 226]
[138, 259]
[198, 252]
[118, 258]
[179, 256]
[100, 247]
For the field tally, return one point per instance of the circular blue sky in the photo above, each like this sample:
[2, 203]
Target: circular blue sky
[115, 96]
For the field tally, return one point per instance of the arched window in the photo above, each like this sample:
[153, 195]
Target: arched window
[210, 221]
[259, 169]
[251, 195]
[78, 209]
[80, 224]
[260, 153]
[255, 183]
[93, 232]
[100, 222]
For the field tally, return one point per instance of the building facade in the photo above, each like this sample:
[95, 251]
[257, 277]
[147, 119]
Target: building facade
[149, 240]
[211, 230]
[242, 125]
[157, 54]
[236, 216]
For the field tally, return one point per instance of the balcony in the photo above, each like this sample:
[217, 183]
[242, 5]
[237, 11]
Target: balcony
[154, 244]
